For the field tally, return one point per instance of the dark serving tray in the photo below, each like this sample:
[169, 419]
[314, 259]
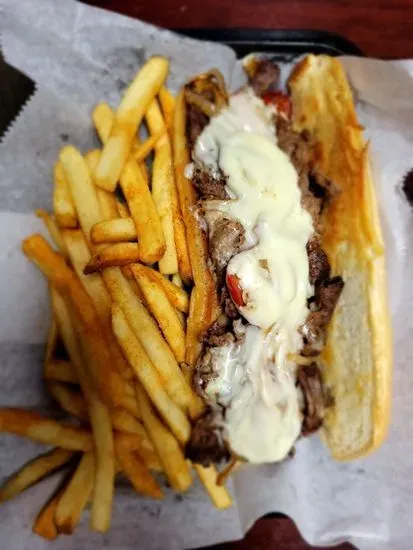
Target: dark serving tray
[282, 45]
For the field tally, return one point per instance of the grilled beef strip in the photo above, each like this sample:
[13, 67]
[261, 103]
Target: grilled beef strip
[264, 76]
[310, 382]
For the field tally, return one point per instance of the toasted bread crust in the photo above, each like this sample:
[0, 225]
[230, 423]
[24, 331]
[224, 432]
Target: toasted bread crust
[357, 358]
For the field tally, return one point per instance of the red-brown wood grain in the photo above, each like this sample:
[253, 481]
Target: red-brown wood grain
[382, 28]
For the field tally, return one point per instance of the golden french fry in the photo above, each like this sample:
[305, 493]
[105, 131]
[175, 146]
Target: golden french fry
[143, 211]
[149, 376]
[34, 471]
[123, 208]
[52, 337]
[103, 119]
[176, 468]
[44, 524]
[176, 295]
[163, 188]
[79, 255]
[106, 199]
[63, 207]
[113, 255]
[177, 281]
[150, 337]
[129, 114]
[217, 493]
[142, 445]
[75, 496]
[135, 469]
[33, 425]
[162, 309]
[98, 414]
[99, 359]
[204, 301]
[70, 400]
[53, 230]
[167, 101]
[81, 187]
[60, 371]
[143, 149]
[114, 231]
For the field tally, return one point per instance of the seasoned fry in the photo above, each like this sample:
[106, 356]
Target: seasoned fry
[75, 496]
[51, 343]
[114, 231]
[175, 466]
[34, 471]
[107, 200]
[177, 282]
[162, 309]
[113, 255]
[143, 211]
[163, 189]
[176, 295]
[150, 337]
[123, 208]
[218, 493]
[63, 207]
[143, 150]
[99, 358]
[53, 230]
[33, 425]
[70, 400]
[135, 469]
[204, 300]
[60, 371]
[167, 101]
[129, 114]
[44, 525]
[149, 376]
[79, 255]
[81, 187]
[99, 418]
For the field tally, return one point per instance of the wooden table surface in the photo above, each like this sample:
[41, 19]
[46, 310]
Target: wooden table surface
[381, 28]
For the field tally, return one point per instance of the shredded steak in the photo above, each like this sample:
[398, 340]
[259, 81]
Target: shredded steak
[206, 445]
[209, 186]
[196, 121]
[309, 380]
[318, 261]
[226, 236]
[266, 76]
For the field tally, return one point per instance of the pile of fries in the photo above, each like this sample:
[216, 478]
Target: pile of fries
[131, 293]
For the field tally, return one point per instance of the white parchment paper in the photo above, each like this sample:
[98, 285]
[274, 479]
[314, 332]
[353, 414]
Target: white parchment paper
[77, 56]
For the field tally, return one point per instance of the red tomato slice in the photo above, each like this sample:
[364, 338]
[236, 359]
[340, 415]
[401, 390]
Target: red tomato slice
[280, 100]
[235, 290]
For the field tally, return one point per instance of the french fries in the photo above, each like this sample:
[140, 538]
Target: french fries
[132, 332]
[63, 206]
[114, 231]
[150, 337]
[175, 466]
[99, 418]
[33, 472]
[163, 190]
[44, 525]
[149, 230]
[75, 496]
[148, 376]
[162, 309]
[113, 255]
[218, 493]
[70, 401]
[33, 425]
[60, 371]
[99, 359]
[129, 114]
[135, 469]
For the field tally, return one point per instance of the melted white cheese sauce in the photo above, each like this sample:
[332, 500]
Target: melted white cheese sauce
[255, 380]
